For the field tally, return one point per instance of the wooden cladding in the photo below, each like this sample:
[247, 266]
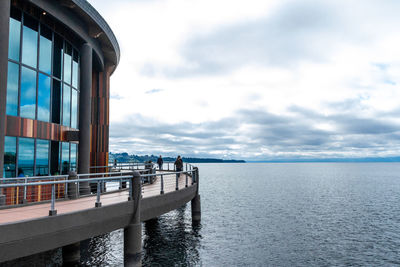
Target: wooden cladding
[23, 127]
[100, 118]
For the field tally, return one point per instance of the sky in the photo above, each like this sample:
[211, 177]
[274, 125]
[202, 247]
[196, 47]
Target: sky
[255, 80]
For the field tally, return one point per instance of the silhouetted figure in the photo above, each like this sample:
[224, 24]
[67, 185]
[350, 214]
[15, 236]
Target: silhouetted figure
[160, 162]
[179, 164]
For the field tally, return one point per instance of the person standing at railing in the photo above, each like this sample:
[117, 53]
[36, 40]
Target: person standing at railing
[179, 164]
[160, 163]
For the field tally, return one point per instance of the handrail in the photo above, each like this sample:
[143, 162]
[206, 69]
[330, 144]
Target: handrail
[125, 180]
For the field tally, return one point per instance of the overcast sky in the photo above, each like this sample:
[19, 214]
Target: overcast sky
[256, 79]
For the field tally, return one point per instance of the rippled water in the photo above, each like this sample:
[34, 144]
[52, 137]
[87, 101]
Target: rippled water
[278, 214]
[306, 214]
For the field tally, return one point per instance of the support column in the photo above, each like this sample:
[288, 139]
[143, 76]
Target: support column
[133, 232]
[71, 254]
[196, 207]
[4, 35]
[85, 106]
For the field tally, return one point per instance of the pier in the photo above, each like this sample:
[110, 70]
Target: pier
[122, 197]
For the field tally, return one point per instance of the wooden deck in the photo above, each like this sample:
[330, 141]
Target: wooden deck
[35, 211]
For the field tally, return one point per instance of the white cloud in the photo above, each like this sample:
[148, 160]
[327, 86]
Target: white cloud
[203, 61]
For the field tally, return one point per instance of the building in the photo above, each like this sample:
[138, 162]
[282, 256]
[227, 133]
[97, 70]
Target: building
[56, 59]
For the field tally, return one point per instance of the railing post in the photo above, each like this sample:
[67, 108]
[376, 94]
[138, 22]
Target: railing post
[78, 187]
[187, 177]
[130, 197]
[24, 201]
[52, 210]
[177, 182]
[98, 203]
[162, 184]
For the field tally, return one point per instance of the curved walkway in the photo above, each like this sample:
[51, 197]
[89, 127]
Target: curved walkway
[35, 211]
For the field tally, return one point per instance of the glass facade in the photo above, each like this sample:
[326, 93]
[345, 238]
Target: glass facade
[43, 73]
[42, 158]
[44, 97]
[12, 89]
[42, 84]
[10, 156]
[28, 93]
[36, 157]
[29, 42]
[26, 156]
[65, 161]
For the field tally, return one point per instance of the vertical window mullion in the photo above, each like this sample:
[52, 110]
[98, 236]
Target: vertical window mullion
[34, 157]
[16, 156]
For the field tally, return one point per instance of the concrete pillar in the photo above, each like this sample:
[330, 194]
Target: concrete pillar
[85, 108]
[71, 254]
[196, 206]
[196, 209]
[4, 33]
[133, 233]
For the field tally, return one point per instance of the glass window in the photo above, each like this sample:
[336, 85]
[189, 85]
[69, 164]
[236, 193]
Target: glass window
[75, 69]
[56, 102]
[26, 156]
[66, 105]
[10, 152]
[15, 36]
[44, 98]
[58, 56]
[67, 63]
[73, 156]
[65, 158]
[74, 109]
[12, 89]
[42, 157]
[29, 42]
[45, 50]
[28, 93]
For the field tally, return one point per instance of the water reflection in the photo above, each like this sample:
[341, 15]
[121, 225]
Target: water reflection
[171, 240]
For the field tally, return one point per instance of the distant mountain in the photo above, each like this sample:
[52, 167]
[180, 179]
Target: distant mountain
[125, 157]
[371, 159]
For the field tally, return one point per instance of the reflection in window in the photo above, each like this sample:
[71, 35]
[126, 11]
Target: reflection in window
[12, 89]
[58, 56]
[42, 157]
[29, 42]
[15, 35]
[56, 102]
[75, 69]
[26, 156]
[67, 63]
[66, 105]
[28, 93]
[73, 156]
[65, 158]
[45, 50]
[74, 109]
[10, 152]
[44, 98]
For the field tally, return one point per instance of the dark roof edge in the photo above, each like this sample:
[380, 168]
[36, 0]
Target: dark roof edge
[100, 21]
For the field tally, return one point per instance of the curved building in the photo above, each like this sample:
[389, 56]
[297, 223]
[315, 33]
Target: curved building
[56, 59]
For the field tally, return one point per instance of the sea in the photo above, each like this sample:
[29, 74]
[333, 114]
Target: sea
[274, 214]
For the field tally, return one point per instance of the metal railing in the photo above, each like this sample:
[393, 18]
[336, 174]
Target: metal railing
[43, 189]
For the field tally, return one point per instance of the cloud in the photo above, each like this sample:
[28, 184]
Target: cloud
[257, 79]
[154, 91]
[252, 132]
